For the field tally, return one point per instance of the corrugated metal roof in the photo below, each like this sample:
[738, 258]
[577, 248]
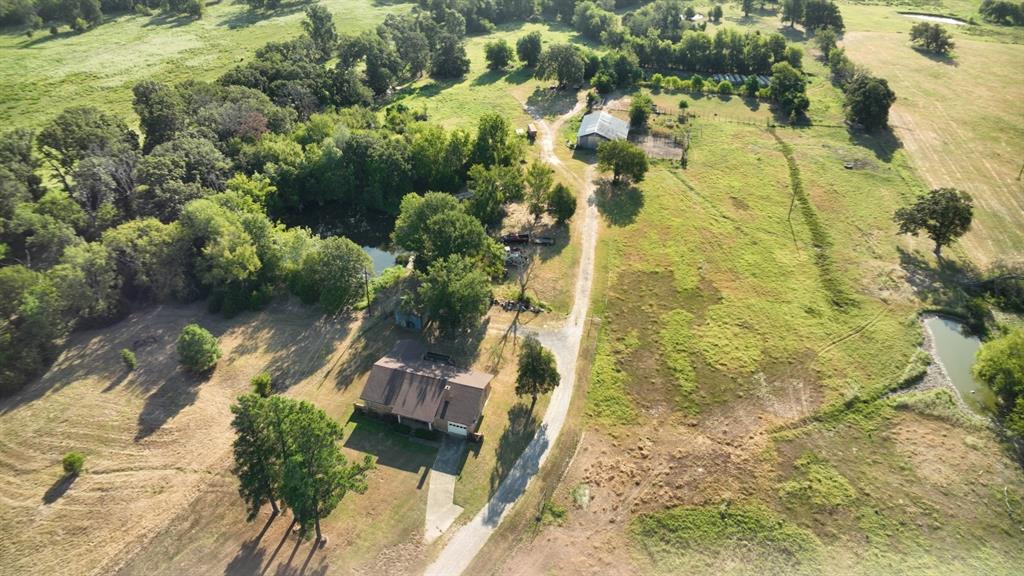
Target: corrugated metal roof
[603, 124]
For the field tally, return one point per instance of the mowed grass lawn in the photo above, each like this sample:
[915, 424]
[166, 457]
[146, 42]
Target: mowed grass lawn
[41, 76]
[157, 495]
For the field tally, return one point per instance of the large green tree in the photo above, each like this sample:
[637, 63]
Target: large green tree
[562, 62]
[623, 158]
[333, 274]
[788, 89]
[495, 142]
[944, 214]
[528, 48]
[319, 26]
[455, 293]
[538, 372]
[435, 227]
[499, 54]
[79, 132]
[316, 474]
[259, 458]
[539, 178]
[562, 203]
[868, 100]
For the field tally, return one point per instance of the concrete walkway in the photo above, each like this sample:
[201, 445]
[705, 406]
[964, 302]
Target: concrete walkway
[441, 510]
[564, 343]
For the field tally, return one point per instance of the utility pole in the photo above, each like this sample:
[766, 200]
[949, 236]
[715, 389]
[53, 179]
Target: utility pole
[366, 283]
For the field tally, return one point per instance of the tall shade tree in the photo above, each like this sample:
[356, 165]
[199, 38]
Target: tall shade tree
[161, 112]
[528, 48]
[868, 100]
[538, 372]
[492, 187]
[197, 348]
[623, 158]
[79, 132]
[931, 37]
[640, 110]
[435, 226]
[317, 475]
[450, 60]
[333, 274]
[499, 54]
[455, 293]
[562, 62]
[319, 26]
[539, 178]
[944, 214]
[562, 204]
[258, 454]
[495, 143]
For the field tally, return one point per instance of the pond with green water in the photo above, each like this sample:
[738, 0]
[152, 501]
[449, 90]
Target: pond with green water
[956, 351]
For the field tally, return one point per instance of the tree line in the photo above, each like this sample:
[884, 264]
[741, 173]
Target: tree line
[82, 15]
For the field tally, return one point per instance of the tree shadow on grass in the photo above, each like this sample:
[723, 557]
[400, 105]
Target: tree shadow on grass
[40, 38]
[53, 493]
[519, 75]
[883, 143]
[489, 77]
[753, 103]
[550, 102]
[620, 204]
[177, 392]
[522, 425]
[937, 282]
[246, 18]
[946, 59]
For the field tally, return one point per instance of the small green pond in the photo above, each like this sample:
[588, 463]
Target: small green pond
[956, 351]
[382, 259]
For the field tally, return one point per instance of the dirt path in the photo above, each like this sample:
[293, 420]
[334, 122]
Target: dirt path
[564, 342]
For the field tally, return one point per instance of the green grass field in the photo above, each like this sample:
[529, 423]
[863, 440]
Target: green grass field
[41, 76]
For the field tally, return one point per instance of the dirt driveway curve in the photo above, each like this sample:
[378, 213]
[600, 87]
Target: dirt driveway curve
[564, 342]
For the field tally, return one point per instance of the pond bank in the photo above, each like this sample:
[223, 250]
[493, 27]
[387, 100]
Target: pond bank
[934, 18]
[937, 375]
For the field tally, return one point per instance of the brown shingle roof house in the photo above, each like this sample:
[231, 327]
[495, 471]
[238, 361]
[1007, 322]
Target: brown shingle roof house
[437, 395]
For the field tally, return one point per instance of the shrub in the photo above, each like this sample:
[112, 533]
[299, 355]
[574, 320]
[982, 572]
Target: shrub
[128, 357]
[73, 463]
[197, 348]
[261, 385]
[696, 83]
[684, 103]
[640, 110]
[725, 88]
[657, 80]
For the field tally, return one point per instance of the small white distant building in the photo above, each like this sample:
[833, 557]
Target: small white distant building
[598, 127]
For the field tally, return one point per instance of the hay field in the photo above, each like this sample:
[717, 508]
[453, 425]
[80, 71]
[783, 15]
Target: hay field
[961, 121]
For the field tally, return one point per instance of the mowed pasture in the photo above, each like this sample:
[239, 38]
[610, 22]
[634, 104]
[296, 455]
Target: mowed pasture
[157, 495]
[41, 76]
[719, 333]
[961, 120]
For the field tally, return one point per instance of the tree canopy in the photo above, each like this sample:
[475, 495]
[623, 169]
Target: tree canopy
[931, 37]
[623, 158]
[944, 214]
[1000, 364]
[455, 293]
[868, 100]
[538, 372]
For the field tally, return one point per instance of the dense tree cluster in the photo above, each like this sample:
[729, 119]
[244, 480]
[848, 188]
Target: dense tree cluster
[1003, 12]
[1000, 364]
[813, 14]
[81, 15]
